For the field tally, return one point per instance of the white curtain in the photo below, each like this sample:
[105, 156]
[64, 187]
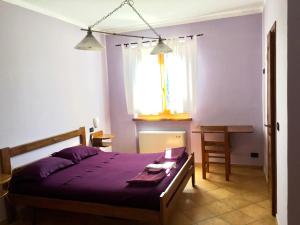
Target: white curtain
[142, 77]
[181, 71]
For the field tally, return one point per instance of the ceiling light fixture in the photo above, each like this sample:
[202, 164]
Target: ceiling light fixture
[89, 42]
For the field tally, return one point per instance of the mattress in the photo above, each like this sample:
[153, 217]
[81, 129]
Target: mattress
[102, 179]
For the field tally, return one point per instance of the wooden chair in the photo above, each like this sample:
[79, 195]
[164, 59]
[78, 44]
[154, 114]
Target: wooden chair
[218, 149]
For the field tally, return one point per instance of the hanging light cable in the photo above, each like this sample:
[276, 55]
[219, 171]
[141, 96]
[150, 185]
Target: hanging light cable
[90, 42]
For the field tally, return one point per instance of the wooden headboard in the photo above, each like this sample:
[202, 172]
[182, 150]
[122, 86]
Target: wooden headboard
[7, 153]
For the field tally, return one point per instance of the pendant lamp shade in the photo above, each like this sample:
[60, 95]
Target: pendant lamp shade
[161, 48]
[89, 42]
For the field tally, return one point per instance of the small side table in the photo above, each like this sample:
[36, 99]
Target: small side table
[4, 181]
[98, 137]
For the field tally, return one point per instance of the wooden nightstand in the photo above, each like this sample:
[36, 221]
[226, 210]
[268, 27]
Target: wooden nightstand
[99, 139]
[4, 180]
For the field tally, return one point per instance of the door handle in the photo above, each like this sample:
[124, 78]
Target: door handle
[268, 125]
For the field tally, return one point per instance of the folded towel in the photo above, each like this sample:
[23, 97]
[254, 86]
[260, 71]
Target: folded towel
[165, 165]
[144, 178]
[154, 170]
[171, 154]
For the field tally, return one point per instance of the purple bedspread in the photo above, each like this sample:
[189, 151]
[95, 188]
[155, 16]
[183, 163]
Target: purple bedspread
[102, 179]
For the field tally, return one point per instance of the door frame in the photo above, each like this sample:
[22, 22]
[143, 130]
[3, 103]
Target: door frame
[271, 63]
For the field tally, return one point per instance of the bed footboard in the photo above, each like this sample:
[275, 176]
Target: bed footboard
[86, 207]
[170, 196]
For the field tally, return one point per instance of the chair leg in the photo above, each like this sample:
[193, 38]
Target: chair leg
[229, 153]
[229, 163]
[207, 162]
[203, 165]
[227, 167]
[203, 170]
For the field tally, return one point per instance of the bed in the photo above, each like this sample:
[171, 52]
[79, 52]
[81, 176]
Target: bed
[85, 188]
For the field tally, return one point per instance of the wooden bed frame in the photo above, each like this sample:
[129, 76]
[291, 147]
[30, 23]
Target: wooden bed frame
[168, 198]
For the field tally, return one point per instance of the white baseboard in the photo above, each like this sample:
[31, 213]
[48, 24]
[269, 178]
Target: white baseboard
[277, 221]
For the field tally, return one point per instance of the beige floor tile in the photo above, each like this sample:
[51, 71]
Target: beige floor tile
[248, 171]
[185, 203]
[254, 196]
[237, 218]
[215, 176]
[235, 189]
[236, 202]
[220, 193]
[202, 198]
[255, 211]
[198, 214]
[213, 221]
[236, 178]
[178, 218]
[265, 221]
[255, 185]
[219, 207]
[265, 204]
[206, 185]
[216, 169]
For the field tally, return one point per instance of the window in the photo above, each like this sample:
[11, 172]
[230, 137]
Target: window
[160, 85]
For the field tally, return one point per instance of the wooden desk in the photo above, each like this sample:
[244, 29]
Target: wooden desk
[234, 129]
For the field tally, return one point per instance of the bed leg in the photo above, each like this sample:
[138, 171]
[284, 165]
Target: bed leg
[163, 212]
[194, 172]
[194, 179]
[11, 211]
[164, 221]
[34, 220]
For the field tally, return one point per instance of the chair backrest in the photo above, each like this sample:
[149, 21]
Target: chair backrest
[215, 130]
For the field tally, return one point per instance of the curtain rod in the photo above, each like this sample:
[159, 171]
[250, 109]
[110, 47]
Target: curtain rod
[134, 43]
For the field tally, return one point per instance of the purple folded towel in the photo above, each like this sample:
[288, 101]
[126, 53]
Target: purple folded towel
[145, 178]
[151, 176]
[171, 154]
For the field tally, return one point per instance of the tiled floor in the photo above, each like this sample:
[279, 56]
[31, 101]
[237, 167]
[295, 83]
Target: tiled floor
[243, 200]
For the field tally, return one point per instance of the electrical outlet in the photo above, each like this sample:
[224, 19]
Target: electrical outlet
[91, 129]
[254, 155]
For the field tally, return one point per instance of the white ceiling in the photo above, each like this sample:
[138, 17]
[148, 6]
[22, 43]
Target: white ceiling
[157, 12]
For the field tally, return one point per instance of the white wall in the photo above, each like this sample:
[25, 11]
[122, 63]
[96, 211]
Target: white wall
[46, 86]
[276, 10]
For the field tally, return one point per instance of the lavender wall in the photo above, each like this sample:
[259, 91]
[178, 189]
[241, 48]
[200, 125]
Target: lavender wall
[46, 86]
[229, 85]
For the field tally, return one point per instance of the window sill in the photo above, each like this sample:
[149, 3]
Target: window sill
[163, 117]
